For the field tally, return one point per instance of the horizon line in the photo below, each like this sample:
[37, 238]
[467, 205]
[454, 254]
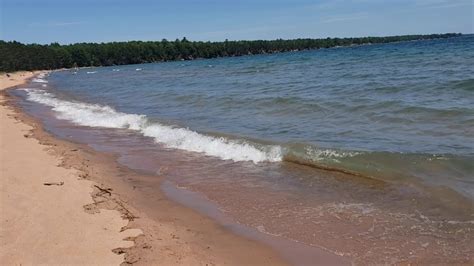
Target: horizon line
[231, 40]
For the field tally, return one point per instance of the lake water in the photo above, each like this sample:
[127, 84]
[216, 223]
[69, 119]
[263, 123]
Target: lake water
[365, 151]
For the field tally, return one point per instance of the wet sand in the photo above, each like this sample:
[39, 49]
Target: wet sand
[101, 203]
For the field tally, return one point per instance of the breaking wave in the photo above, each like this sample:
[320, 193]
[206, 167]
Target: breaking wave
[358, 163]
[39, 80]
[94, 115]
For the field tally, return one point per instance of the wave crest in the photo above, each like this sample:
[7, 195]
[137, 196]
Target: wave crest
[39, 80]
[94, 115]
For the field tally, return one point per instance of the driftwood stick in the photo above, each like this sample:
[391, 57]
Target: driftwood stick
[54, 183]
[104, 190]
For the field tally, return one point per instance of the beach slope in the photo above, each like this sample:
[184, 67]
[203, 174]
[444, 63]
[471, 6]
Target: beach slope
[42, 204]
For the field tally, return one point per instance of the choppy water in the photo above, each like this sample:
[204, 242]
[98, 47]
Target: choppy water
[399, 108]
[401, 113]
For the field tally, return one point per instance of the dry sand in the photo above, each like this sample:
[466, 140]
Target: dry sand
[43, 224]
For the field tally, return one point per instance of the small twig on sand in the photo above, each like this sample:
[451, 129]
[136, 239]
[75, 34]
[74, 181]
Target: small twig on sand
[104, 190]
[54, 183]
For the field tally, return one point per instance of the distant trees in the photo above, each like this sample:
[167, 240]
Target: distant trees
[17, 56]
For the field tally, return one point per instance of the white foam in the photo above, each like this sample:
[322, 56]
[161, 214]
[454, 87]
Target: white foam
[42, 75]
[84, 114]
[185, 139]
[138, 69]
[39, 80]
[325, 154]
[91, 72]
[94, 115]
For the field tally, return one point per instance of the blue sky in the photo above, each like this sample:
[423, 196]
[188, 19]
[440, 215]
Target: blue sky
[69, 21]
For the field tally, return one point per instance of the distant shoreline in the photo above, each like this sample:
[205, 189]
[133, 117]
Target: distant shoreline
[17, 56]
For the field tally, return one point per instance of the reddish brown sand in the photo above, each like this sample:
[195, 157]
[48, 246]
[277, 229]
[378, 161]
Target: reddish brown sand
[90, 208]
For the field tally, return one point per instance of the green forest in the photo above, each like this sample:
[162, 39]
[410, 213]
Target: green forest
[17, 56]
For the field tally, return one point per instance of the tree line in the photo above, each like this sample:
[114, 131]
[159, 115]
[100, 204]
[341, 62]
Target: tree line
[18, 56]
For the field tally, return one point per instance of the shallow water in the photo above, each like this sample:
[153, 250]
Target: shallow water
[392, 123]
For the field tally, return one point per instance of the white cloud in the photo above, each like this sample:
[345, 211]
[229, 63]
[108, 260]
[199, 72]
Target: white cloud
[348, 17]
[443, 3]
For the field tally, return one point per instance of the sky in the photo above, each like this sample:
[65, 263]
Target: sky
[71, 21]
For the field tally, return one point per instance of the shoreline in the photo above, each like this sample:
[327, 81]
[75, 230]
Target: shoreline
[174, 235]
[158, 154]
[187, 224]
[39, 197]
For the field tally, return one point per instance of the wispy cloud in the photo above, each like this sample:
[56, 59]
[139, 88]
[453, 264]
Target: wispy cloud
[443, 3]
[56, 24]
[326, 5]
[347, 17]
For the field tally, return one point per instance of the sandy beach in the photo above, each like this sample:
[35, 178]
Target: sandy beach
[63, 203]
[42, 205]
[228, 133]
